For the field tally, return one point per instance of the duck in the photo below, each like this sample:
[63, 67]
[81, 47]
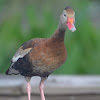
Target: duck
[42, 56]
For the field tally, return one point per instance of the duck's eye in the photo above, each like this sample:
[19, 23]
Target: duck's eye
[64, 15]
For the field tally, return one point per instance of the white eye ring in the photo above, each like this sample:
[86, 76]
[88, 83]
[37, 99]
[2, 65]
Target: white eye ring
[64, 15]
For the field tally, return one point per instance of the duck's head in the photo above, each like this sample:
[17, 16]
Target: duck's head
[67, 19]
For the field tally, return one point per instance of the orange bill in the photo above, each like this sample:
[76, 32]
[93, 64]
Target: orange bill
[70, 24]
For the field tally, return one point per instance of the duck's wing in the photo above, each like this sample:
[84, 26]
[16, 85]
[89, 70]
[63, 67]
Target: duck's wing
[21, 53]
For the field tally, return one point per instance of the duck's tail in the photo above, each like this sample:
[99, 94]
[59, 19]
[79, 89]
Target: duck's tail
[11, 71]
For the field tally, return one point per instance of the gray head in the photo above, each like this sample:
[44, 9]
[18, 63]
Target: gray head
[67, 19]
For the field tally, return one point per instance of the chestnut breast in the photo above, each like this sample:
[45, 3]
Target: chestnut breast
[47, 56]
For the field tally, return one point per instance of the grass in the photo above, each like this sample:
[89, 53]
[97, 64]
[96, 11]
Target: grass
[82, 46]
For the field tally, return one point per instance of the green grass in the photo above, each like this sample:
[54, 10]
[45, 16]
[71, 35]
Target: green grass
[83, 46]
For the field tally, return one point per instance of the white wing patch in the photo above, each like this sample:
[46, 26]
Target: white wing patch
[20, 54]
[14, 59]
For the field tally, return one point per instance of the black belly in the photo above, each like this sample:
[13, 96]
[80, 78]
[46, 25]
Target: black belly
[25, 68]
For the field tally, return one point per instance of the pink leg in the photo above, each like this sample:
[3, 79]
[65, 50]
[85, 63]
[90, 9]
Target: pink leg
[28, 90]
[42, 89]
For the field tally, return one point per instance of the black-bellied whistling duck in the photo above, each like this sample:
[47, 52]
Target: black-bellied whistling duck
[42, 56]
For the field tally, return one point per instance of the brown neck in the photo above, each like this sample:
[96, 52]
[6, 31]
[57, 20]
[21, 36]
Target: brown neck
[58, 36]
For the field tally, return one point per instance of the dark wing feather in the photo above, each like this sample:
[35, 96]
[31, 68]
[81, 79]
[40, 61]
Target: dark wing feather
[20, 54]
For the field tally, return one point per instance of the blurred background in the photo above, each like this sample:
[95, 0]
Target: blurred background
[22, 20]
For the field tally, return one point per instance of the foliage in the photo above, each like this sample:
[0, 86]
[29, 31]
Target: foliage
[83, 46]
